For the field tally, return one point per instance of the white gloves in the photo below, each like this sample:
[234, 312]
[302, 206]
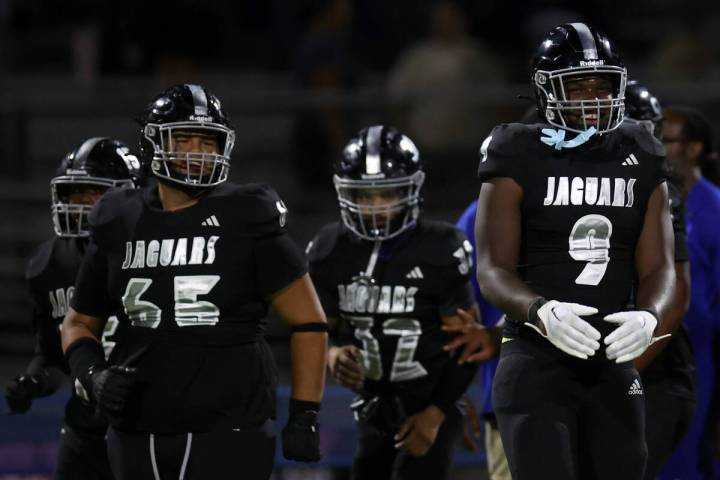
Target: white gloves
[633, 335]
[566, 330]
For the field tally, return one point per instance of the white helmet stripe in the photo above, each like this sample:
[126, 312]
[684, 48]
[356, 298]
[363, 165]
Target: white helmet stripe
[586, 40]
[199, 99]
[372, 149]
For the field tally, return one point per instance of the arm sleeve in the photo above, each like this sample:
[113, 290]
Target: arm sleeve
[677, 212]
[278, 262]
[91, 295]
[458, 290]
[321, 270]
[454, 382]
[50, 377]
[489, 315]
[48, 364]
[327, 294]
[461, 296]
[47, 336]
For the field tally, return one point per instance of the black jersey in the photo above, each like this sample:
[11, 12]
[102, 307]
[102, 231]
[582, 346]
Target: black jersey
[192, 288]
[582, 210]
[395, 311]
[51, 277]
[677, 213]
[675, 365]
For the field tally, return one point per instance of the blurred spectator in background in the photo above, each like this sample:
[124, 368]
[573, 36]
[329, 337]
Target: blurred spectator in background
[682, 55]
[668, 366]
[323, 64]
[430, 84]
[545, 15]
[688, 140]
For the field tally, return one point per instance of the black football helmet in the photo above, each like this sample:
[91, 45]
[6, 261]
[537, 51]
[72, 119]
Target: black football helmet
[643, 108]
[97, 164]
[378, 161]
[574, 51]
[186, 108]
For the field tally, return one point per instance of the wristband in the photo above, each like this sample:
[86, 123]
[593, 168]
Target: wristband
[298, 406]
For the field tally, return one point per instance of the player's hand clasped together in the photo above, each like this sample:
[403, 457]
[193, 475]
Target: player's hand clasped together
[633, 335]
[561, 324]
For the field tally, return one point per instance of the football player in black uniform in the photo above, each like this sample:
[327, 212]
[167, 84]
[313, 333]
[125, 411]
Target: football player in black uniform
[394, 281]
[564, 227]
[84, 174]
[668, 366]
[190, 265]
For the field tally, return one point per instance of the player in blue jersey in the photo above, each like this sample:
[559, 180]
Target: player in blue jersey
[687, 137]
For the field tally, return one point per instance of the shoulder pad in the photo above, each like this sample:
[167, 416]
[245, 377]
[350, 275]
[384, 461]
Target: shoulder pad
[449, 246]
[111, 205]
[40, 259]
[511, 139]
[503, 151]
[113, 214]
[323, 242]
[641, 138]
[256, 205]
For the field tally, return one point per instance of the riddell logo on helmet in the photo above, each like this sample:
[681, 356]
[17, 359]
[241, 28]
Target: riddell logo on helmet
[200, 118]
[591, 63]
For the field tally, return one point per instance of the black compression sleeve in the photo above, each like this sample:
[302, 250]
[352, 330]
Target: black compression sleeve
[49, 377]
[85, 356]
[297, 406]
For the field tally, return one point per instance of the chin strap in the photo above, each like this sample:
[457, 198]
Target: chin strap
[556, 138]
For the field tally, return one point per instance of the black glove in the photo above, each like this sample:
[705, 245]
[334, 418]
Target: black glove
[111, 388]
[384, 413]
[301, 435]
[20, 391]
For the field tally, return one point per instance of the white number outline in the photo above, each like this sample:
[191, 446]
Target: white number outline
[189, 311]
[404, 367]
[589, 241]
[111, 327]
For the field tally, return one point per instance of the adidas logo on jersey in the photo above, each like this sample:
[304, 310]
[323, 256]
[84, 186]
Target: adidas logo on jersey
[211, 221]
[635, 388]
[415, 273]
[631, 160]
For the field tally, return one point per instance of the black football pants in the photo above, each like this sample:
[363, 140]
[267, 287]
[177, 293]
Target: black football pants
[220, 455]
[563, 418]
[82, 456]
[377, 459]
[668, 420]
